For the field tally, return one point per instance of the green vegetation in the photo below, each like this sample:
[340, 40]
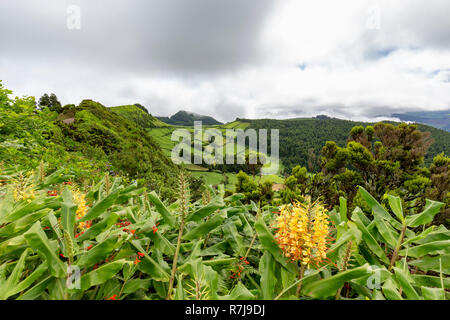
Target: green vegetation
[113, 241]
[91, 208]
[139, 115]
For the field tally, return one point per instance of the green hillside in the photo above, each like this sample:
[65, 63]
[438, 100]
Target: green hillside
[138, 114]
[302, 139]
[128, 147]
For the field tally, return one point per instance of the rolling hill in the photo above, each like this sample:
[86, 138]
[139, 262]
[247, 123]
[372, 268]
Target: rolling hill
[187, 118]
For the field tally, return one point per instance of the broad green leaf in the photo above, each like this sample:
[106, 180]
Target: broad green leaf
[329, 286]
[369, 239]
[429, 263]
[405, 281]
[99, 227]
[205, 211]
[14, 277]
[102, 274]
[179, 291]
[161, 208]
[234, 238]
[239, 292]
[396, 206]
[99, 252]
[433, 293]
[426, 216]
[435, 247]
[430, 281]
[28, 281]
[36, 290]
[343, 209]
[389, 234]
[18, 226]
[218, 262]
[390, 290]
[37, 239]
[268, 277]
[136, 284]
[68, 210]
[100, 207]
[150, 266]
[203, 228]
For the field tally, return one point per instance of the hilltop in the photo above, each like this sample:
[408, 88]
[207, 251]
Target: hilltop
[139, 114]
[187, 118]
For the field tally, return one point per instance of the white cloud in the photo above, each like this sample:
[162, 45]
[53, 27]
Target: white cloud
[297, 59]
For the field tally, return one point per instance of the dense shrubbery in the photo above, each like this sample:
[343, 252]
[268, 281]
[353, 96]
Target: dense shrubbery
[59, 240]
[73, 224]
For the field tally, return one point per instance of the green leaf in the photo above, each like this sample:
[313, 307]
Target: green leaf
[396, 206]
[99, 227]
[234, 238]
[389, 234]
[390, 290]
[218, 262]
[100, 207]
[404, 280]
[150, 266]
[268, 277]
[433, 293]
[137, 284]
[239, 292]
[18, 226]
[368, 238]
[429, 263]
[426, 216]
[37, 290]
[99, 252]
[269, 243]
[37, 239]
[24, 284]
[343, 209]
[204, 228]
[435, 247]
[68, 210]
[14, 277]
[161, 208]
[205, 211]
[430, 281]
[102, 274]
[329, 286]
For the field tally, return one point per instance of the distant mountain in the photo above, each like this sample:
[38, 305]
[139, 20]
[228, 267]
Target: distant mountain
[187, 118]
[437, 119]
[138, 114]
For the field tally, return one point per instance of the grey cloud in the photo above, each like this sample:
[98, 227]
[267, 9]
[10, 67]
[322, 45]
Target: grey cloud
[168, 37]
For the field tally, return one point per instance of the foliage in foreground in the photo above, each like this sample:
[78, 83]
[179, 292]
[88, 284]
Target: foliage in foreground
[127, 243]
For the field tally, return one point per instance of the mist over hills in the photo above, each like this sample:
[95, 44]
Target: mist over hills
[437, 119]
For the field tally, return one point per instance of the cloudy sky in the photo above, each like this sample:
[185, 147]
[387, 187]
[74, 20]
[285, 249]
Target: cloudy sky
[355, 59]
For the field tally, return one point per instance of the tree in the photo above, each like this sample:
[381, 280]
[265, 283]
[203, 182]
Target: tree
[51, 102]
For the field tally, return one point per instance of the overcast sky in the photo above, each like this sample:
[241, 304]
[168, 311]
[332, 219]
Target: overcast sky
[355, 59]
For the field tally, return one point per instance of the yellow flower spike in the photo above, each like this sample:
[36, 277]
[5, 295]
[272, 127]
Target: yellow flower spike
[80, 201]
[302, 232]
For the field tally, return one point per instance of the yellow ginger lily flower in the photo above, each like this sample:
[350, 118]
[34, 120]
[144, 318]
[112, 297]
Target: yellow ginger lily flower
[302, 232]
